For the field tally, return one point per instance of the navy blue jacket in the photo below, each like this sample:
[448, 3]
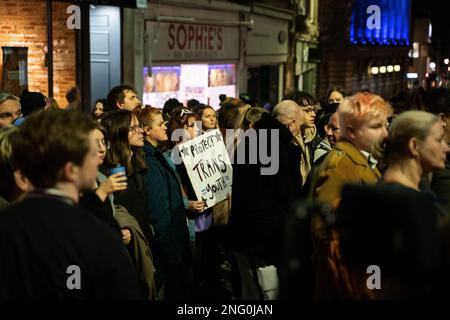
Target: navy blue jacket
[166, 211]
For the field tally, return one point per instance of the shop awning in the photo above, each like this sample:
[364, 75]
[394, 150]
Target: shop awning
[117, 3]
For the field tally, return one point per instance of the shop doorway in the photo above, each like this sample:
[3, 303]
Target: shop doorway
[263, 84]
[105, 44]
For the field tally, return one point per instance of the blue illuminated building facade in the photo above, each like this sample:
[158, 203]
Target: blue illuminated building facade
[395, 23]
[359, 58]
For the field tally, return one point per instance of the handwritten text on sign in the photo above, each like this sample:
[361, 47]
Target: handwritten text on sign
[208, 166]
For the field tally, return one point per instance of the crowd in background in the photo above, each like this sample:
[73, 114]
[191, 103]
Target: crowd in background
[102, 193]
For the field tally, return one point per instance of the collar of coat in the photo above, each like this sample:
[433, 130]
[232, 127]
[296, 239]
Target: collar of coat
[305, 137]
[149, 149]
[3, 203]
[352, 152]
[309, 134]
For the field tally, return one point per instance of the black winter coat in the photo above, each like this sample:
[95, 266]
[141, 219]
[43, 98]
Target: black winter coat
[260, 202]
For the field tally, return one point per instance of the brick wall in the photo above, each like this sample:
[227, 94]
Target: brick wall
[23, 24]
[64, 63]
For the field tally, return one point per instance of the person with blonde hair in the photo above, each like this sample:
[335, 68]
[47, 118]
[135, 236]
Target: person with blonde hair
[249, 117]
[415, 146]
[402, 238]
[166, 208]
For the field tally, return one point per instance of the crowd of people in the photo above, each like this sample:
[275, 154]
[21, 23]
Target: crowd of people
[93, 206]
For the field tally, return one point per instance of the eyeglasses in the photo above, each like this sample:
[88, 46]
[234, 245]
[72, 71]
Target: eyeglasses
[310, 109]
[332, 128]
[136, 128]
[102, 143]
[16, 115]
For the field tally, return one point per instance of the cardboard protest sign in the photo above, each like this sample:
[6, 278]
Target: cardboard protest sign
[208, 166]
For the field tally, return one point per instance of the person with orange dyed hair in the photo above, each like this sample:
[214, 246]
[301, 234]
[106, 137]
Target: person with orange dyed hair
[363, 122]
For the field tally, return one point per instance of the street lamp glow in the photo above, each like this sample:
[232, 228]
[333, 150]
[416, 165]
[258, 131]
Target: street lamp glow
[448, 69]
[446, 61]
[433, 65]
[397, 68]
[383, 69]
[390, 69]
[374, 70]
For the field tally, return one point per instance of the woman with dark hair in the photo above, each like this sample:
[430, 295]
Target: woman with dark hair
[99, 109]
[207, 115]
[126, 139]
[100, 201]
[335, 94]
[334, 97]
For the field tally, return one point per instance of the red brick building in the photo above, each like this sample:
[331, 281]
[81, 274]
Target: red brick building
[23, 23]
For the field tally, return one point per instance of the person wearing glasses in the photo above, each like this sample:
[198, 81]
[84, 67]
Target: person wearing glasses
[47, 240]
[126, 139]
[307, 139]
[9, 109]
[100, 200]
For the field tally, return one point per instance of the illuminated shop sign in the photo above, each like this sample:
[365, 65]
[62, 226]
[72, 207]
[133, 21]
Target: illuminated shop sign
[203, 82]
[380, 22]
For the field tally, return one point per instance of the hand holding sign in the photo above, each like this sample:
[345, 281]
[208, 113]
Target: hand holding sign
[208, 167]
